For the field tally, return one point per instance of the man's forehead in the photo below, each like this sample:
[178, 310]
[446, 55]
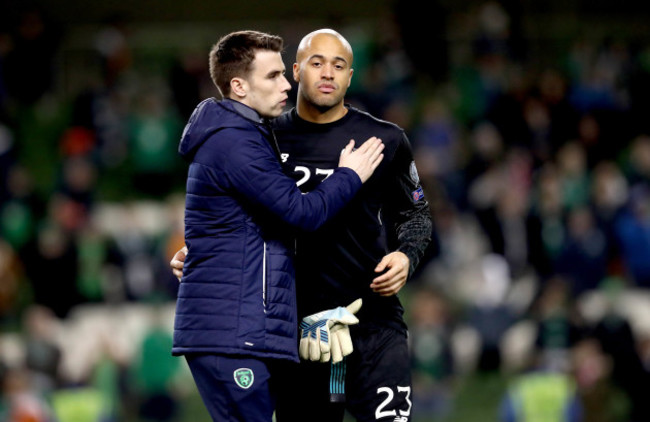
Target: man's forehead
[267, 60]
[325, 45]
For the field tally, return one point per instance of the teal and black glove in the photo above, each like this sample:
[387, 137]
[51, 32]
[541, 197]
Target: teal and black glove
[326, 334]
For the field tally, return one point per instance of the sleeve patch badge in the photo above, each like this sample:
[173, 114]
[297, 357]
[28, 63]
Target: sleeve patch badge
[417, 194]
[413, 172]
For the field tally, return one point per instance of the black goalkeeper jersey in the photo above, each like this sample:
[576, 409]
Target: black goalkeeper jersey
[335, 265]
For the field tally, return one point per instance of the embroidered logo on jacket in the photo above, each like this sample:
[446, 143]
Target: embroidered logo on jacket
[244, 377]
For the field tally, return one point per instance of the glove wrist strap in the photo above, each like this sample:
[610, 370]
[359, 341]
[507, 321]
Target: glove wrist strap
[337, 382]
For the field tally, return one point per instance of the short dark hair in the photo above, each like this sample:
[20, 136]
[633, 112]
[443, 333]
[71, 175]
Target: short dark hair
[233, 54]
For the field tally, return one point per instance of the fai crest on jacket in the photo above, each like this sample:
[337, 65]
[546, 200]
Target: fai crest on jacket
[244, 377]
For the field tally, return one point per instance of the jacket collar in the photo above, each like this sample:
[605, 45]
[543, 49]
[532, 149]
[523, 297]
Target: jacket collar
[246, 111]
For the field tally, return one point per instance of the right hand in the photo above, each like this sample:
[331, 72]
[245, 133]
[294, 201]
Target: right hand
[365, 159]
[177, 262]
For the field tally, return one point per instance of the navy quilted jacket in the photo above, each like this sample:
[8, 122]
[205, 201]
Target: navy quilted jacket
[237, 295]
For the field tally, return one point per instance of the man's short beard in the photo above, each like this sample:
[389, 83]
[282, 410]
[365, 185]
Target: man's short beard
[322, 106]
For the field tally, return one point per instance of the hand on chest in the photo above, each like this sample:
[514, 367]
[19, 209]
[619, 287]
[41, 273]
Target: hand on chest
[310, 164]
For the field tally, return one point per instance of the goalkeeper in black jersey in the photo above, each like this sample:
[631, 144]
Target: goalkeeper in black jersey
[367, 251]
[350, 256]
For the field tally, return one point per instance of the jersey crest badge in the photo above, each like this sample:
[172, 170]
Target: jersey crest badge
[244, 377]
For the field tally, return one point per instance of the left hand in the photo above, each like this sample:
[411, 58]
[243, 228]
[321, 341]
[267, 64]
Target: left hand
[392, 281]
[325, 335]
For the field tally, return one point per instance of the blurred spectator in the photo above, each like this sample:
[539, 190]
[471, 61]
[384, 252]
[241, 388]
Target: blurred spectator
[28, 67]
[632, 229]
[20, 402]
[80, 404]
[506, 218]
[7, 151]
[21, 209]
[154, 371]
[111, 43]
[489, 313]
[574, 178]
[584, 258]
[460, 244]
[558, 325]
[538, 122]
[187, 77]
[553, 89]
[155, 129]
[602, 400]
[432, 360]
[637, 167]
[542, 394]
[12, 286]
[547, 219]
[437, 151]
[77, 184]
[609, 194]
[53, 256]
[42, 353]
[617, 340]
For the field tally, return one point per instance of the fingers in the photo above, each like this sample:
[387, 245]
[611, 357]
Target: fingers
[374, 147]
[313, 345]
[394, 260]
[370, 143]
[314, 349]
[354, 307]
[177, 262]
[303, 348]
[337, 356]
[177, 267]
[390, 283]
[376, 161]
[348, 148]
[178, 273]
[344, 341]
[341, 342]
[376, 155]
[382, 264]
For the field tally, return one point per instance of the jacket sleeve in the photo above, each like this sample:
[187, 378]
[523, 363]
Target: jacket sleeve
[407, 209]
[253, 170]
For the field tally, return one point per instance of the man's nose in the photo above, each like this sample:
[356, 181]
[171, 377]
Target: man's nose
[327, 72]
[286, 86]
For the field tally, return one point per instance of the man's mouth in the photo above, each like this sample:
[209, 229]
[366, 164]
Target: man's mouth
[326, 88]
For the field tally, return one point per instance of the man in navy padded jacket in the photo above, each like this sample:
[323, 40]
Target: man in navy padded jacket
[236, 308]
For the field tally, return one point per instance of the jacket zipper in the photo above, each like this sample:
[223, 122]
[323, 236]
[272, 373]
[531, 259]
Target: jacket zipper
[264, 278]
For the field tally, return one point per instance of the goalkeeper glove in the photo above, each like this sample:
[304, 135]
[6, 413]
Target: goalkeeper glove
[326, 335]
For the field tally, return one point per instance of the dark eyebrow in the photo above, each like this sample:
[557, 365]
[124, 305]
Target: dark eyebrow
[275, 72]
[320, 56]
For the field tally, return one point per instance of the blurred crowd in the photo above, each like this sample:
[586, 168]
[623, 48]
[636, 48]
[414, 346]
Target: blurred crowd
[537, 173]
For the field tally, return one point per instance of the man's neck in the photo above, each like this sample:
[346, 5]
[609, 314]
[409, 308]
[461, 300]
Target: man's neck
[314, 114]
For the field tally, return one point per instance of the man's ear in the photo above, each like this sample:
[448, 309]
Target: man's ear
[296, 72]
[239, 87]
[350, 78]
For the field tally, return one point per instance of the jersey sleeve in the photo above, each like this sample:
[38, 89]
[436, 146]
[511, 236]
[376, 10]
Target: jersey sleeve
[254, 171]
[407, 208]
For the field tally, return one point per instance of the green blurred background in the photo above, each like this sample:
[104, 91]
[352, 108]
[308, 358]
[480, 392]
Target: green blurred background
[529, 125]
